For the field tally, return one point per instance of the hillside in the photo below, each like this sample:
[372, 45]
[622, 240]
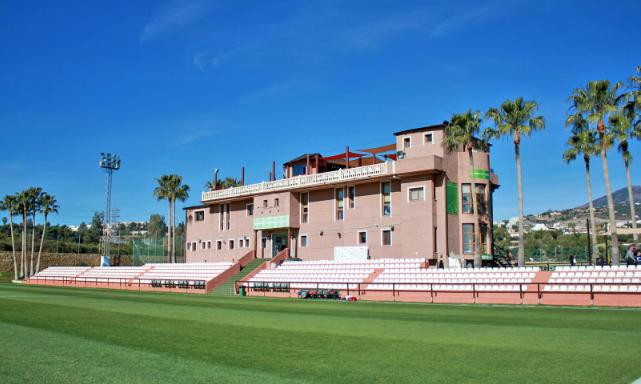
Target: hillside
[620, 197]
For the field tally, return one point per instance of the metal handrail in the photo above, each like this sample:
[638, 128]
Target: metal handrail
[118, 281]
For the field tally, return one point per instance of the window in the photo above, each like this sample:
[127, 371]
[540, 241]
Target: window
[304, 207]
[219, 245]
[386, 236]
[193, 245]
[264, 203]
[386, 191]
[231, 243]
[340, 201]
[468, 238]
[480, 199]
[362, 237]
[246, 242]
[351, 195]
[241, 243]
[204, 244]
[200, 215]
[263, 242]
[407, 142]
[429, 138]
[416, 194]
[276, 202]
[299, 169]
[435, 240]
[208, 244]
[483, 237]
[303, 241]
[466, 198]
[224, 210]
[250, 209]
[188, 246]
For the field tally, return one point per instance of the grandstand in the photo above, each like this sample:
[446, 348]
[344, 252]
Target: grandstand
[411, 280]
[386, 279]
[190, 277]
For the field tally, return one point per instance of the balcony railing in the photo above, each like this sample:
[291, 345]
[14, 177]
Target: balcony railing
[303, 181]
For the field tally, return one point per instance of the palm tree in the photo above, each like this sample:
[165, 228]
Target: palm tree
[33, 194]
[516, 118]
[460, 134]
[597, 101]
[228, 182]
[10, 204]
[622, 124]
[24, 202]
[583, 142]
[48, 204]
[170, 188]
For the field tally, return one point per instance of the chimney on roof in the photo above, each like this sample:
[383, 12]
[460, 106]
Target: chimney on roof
[242, 175]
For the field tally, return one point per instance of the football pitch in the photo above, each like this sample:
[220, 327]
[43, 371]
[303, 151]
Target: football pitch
[66, 335]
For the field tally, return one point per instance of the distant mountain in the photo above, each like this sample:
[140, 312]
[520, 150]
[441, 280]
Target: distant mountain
[619, 197]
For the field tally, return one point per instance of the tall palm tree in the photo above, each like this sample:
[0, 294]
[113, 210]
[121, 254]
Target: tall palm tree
[622, 124]
[516, 118]
[170, 188]
[10, 204]
[33, 194]
[24, 204]
[48, 204]
[460, 134]
[162, 192]
[583, 142]
[597, 101]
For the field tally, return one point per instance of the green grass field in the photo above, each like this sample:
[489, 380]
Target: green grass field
[65, 335]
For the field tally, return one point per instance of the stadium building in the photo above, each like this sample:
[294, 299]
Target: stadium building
[410, 199]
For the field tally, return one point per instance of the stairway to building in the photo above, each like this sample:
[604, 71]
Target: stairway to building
[227, 288]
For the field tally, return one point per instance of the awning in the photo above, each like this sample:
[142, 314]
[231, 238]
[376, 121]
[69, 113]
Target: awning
[342, 156]
[384, 148]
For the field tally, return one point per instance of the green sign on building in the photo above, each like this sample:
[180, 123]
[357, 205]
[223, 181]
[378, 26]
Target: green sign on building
[480, 174]
[271, 222]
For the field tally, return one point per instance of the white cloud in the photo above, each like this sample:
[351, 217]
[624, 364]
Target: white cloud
[174, 15]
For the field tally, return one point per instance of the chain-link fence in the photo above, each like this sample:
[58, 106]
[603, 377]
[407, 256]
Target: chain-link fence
[154, 250]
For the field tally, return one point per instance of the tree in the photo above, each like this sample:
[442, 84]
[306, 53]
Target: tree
[156, 226]
[597, 101]
[94, 232]
[10, 204]
[516, 118]
[170, 188]
[228, 182]
[459, 134]
[583, 142]
[33, 194]
[622, 125]
[48, 204]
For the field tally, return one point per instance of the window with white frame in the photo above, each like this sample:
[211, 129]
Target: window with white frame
[219, 245]
[416, 194]
[386, 237]
[208, 244]
[429, 138]
[193, 245]
[407, 142]
[303, 241]
[200, 215]
[231, 243]
[204, 245]
[362, 237]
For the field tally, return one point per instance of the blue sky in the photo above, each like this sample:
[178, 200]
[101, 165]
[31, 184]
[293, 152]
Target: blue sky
[188, 86]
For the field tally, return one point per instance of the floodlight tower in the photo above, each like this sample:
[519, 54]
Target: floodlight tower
[109, 163]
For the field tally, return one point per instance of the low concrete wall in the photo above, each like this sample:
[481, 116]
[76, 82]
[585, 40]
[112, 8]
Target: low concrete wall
[59, 259]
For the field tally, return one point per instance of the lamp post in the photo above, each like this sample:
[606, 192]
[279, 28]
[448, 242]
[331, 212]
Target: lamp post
[109, 163]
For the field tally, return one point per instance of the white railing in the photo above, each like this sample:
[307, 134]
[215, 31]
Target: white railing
[303, 181]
